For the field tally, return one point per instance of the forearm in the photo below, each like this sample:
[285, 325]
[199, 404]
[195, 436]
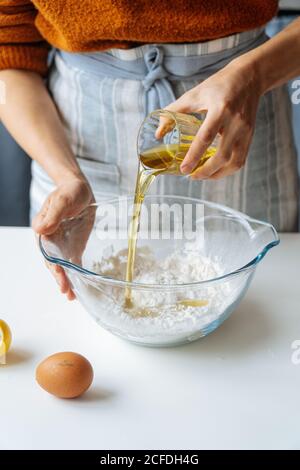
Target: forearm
[276, 61]
[31, 117]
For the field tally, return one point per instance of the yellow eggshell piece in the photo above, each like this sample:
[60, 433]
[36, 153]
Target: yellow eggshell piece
[194, 302]
[65, 374]
[5, 337]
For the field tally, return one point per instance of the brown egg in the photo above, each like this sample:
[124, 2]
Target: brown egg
[65, 374]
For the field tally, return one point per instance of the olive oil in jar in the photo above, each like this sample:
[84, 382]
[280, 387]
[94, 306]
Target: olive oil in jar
[168, 158]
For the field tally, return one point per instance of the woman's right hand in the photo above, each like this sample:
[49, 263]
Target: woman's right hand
[45, 140]
[68, 200]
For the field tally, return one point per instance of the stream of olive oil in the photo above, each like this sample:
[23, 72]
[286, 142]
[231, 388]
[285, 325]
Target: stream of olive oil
[143, 181]
[163, 159]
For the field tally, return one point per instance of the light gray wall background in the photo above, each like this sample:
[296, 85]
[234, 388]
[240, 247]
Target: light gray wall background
[291, 4]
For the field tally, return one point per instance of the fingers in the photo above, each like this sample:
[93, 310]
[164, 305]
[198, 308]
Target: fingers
[37, 222]
[230, 158]
[49, 218]
[66, 201]
[70, 295]
[184, 104]
[166, 124]
[204, 138]
[237, 161]
[215, 119]
[220, 159]
[62, 280]
[59, 276]
[231, 103]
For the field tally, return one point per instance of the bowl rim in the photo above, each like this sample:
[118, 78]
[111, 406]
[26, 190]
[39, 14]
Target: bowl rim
[251, 265]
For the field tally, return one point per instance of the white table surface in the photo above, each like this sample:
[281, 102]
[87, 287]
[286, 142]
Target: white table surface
[236, 388]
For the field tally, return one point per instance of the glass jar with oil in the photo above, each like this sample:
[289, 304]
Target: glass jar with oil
[163, 141]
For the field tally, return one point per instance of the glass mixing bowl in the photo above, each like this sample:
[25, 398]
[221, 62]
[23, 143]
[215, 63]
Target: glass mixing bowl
[195, 261]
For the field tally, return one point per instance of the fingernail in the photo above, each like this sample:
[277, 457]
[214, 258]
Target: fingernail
[185, 168]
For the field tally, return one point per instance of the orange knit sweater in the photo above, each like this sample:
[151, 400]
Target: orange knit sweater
[29, 28]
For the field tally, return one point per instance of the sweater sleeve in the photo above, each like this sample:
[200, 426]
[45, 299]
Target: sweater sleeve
[21, 45]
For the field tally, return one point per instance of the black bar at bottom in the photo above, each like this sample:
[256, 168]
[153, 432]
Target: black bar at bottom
[133, 459]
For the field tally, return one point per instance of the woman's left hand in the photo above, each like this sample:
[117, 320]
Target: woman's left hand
[68, 200]
[230, 98]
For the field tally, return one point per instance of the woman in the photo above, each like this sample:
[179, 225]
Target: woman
[117, 60]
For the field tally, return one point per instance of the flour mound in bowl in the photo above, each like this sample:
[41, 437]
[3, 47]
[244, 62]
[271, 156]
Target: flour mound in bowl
[173, 312]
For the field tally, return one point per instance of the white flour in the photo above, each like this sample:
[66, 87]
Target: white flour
[159, 316]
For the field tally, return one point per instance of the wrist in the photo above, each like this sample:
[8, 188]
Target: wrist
[251, 72]
[65, 170]
[72, 176]
[76, 182]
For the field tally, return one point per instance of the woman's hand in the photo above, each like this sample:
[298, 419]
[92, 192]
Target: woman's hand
[45, 140]
[230, 98]
[68, 200]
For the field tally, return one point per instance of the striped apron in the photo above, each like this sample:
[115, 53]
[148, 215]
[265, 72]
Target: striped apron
[103, 97]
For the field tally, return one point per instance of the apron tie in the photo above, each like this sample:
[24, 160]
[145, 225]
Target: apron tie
[153, 60]
[159, 92]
